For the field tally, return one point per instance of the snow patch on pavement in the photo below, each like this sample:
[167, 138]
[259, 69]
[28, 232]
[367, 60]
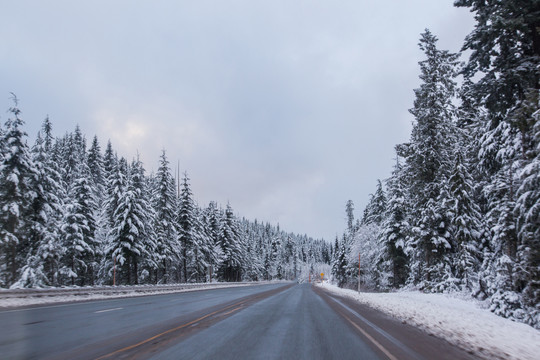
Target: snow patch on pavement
[464, 322]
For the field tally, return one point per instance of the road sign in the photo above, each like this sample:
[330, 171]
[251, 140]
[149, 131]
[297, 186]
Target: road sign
[322, 275]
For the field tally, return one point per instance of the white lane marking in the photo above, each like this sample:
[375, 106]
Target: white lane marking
[106, 310]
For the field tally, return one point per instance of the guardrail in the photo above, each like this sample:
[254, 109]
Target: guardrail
[104, 290]
[115, 290]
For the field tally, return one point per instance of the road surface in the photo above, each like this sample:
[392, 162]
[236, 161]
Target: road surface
[276, 321]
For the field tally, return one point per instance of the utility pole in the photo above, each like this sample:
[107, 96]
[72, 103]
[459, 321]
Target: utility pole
[114, 272]
[358, 272]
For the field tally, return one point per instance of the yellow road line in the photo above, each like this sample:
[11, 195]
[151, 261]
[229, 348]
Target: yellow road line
[375, 342]
[233, 310]
[170, 330]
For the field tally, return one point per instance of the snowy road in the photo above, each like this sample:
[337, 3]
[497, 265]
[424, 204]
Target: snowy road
[278, 321]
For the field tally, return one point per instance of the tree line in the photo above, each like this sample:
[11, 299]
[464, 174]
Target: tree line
[75, 215]
[461, 209]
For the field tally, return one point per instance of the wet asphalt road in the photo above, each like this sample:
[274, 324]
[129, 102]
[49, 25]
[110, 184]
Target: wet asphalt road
[275, 321]
[53, 331]
[294, 324]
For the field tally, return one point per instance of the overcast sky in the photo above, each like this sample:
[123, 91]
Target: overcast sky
[286, 109]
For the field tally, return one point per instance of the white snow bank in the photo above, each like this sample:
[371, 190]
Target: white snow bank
[461, 322]
[98, 294]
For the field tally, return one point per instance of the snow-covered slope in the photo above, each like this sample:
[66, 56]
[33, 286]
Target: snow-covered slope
[463, 322]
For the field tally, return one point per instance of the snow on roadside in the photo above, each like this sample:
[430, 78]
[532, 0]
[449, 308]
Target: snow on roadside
[461, 322]
[14, 302]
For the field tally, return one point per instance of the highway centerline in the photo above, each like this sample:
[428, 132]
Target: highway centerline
[107, 310]
[177, 332]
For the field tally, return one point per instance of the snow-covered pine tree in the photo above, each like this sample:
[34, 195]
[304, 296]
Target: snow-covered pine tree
[80, 261]
[142, 185]
[505, 49]
[109, 161]
[208, 253]
[32, 273]
[505, 46]
[211, 227]
[395, 229]
[16, 197]
[165, 225]
[231, 242]
[50, 249]
[186, 227]
[376, 208]
[130, 241]
[349, 210]
[73, 152]
[427, 164]
[191, 236]
[3, 148]
[95, 164]
[339, 264]
[373, 216]
[45, 251]
[527, 211]
[76, 249]
[367, 244]
[275, 257]
[466, 228]
[116, 184]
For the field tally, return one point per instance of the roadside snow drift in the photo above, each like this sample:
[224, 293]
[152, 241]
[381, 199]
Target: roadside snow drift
[29, 297]
[461, 322]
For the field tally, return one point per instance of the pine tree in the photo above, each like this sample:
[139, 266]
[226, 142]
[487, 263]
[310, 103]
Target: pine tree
[188, 232]
[165, 226]
[339, 265]
[349, 209]
[49, 250]
[109, 161]
[505, 48]
[232, 245]
[97, 172]
[45, 251]
[76, 248]
[395, 228]
[79, 228]
[212, 229]
[130, 243]
[116, 184]
[428, 158]
[73, 153]
[527, 212]
[376, 208]
[466, 224]
[505, 45]
[16, 198]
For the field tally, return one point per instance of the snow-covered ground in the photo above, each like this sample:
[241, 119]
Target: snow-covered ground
[97, 294]
[463, 322]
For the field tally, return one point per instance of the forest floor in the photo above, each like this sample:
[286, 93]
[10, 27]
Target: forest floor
[460, 319]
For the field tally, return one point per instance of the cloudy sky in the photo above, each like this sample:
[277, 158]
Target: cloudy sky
[286, 109]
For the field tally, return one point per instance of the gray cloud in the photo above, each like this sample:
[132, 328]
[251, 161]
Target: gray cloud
[286, 109]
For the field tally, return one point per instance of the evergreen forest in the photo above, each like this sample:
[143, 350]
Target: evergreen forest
[74, 215]
[461, 209]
